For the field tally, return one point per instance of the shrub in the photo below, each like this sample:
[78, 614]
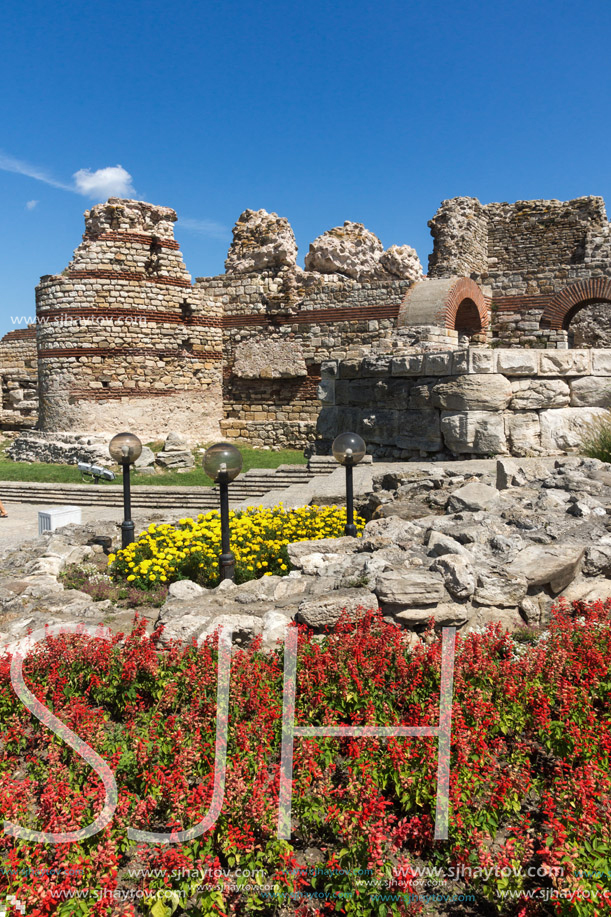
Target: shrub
[190, 550]
[596, 442]
[530, 781]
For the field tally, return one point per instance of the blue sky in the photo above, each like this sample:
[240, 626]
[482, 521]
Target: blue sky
[320, 111]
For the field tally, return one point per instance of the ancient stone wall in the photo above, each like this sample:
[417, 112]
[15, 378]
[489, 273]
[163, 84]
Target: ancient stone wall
[18, 379]
[527, 254]
[122, 341]
[278, 328]
[467, 402]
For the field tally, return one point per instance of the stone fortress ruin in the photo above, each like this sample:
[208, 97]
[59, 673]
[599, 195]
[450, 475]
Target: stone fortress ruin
[504, 348]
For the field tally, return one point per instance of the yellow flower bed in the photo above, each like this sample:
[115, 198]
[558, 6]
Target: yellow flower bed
[191, 550]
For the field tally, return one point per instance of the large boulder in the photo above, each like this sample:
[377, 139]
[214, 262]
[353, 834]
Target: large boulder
[326, 611]
[537, 394]
[473, 497]
[261, 241]
[350, 249]
[406, 588]
[554, 565]
[402, 261]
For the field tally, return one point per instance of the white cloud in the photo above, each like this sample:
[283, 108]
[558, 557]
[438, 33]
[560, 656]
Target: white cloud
[10, 164]
[31, 204]
[204, 227]
[113, 181]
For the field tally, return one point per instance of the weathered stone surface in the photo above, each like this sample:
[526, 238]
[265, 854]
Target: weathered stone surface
[591, 391]
[458, 575]
[298, 550]
[472, 497]
[402, 261]
[185, 590]
[500, 588]
[481, 392]
[565, 362]
[480, 432]
[563, 430]
[517, 362]
[523, 433]
[445, 614]
[60, 448]
[408, 588]
[537, 394]
[349, 249]
[269, 360]
[326, 611]
[175, 442]
[175, 461]
[508, 618]
[440, 545]
[145, 459]
[261, 240]
[556, 565]
[418, 430]
[601, 362]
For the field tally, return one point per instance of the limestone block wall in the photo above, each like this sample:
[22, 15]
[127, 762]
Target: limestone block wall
[294, 320]
[122, 341]
[467, 402]
[18, 379]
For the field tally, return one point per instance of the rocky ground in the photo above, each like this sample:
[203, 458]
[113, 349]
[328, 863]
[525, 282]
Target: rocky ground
[463, 547]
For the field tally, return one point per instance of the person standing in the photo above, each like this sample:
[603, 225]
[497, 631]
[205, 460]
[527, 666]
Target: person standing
[3, 512]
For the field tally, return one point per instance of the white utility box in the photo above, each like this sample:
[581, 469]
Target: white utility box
[55, 516]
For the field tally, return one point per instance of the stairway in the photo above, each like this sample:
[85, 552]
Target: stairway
[254, 483]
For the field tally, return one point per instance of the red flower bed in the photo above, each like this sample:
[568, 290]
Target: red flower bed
[530, 784]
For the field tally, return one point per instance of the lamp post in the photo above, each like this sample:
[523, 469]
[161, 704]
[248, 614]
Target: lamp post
[223, 463]
[349, 449]
[125, 449]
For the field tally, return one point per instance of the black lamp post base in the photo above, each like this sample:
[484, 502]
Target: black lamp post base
[350, 530]
[227, 566]
[127, 534]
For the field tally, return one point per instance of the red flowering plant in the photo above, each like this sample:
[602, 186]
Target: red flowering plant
[530, 784]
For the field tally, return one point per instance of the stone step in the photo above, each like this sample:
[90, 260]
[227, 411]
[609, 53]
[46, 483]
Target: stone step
[253, 484]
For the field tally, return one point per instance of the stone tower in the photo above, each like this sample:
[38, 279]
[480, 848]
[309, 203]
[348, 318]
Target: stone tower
[123, 341]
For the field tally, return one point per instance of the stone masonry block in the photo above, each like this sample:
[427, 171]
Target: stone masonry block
[591, 392]
[328, 369]
[438, 364]
[601, 362]
[523, 433]
[565, 363]
[474, 392]
[419, 430]
[517, 362]
[481, 360]
[460, 362]
[408, 365]
[563, 430]
[480, 432]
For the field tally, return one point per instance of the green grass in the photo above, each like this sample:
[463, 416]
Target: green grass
[596, 441]
[69, 474]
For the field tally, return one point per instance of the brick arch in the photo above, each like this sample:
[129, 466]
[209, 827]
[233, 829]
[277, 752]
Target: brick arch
[436, 302]
[465, 289]
[567, 302]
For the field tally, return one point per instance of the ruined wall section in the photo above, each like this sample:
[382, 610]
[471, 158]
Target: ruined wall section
[525, 254]
[278, 328]
[470, 402]
[122, 341]
[460, 233]
[18, 379]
